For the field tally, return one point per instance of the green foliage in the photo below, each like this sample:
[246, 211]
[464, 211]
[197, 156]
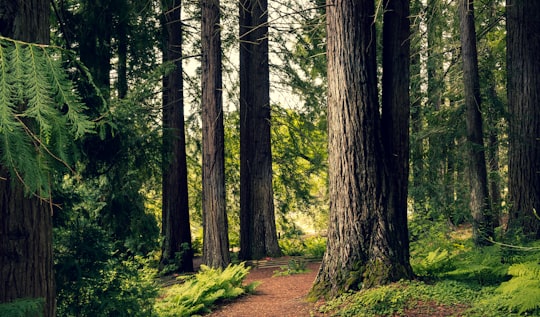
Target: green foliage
[312, 246]
[41, 114]
[93, 280]
[521, 294]
[294, 266]
[27, 307]
[198, 293]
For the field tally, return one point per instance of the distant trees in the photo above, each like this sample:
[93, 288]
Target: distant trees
[523, 69]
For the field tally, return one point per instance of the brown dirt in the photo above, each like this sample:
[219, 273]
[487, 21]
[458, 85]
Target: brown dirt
[285, 296]
[275, 296]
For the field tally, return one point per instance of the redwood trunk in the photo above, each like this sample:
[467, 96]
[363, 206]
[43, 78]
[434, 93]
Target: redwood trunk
[216, 241]
[258, 237]
[523, 70]
[175, 221]
[361, 235]
[478, 182]
[26, 259]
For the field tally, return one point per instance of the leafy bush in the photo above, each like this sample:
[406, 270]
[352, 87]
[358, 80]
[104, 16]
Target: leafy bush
[314, 246]
[199, 292]
[436, 262]
[292, 246]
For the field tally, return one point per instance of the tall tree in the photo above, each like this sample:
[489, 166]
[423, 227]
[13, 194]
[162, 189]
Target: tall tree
[26, 259]
[215, 226]
[363, 244]
[395, 121]
[523, 69]
[258, 236]
[478, 182]
[175, 219]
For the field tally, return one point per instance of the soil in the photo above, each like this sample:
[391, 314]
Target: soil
[285, 296]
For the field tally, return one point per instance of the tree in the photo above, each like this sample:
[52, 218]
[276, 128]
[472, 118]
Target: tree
[26, 226]
[258, 236]
[362, 248]
[523, 67]
[175, 220]
[478, 182]
[215, 226]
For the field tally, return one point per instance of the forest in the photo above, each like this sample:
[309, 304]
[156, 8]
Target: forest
[150, 143]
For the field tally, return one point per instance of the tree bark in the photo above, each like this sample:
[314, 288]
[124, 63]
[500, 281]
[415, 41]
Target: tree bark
[258, 236]
[215, 226]
[361, 243]
[395, 123]
[523, 69]
[483, 229]
[175, 220]
[26, 259]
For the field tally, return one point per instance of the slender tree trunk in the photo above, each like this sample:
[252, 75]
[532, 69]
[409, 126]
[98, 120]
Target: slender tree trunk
[523, 71]
[175, 220]
[216, 240]
[258, 236]
[361, 247]
[26, 259]
[479, 198]
[122, 33]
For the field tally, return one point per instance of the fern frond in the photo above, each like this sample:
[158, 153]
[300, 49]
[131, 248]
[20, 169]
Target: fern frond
[40, 113]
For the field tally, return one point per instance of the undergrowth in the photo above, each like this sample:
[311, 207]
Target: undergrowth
[198, 293]
[455, 276]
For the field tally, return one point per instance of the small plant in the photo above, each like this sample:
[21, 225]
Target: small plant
[22, 307]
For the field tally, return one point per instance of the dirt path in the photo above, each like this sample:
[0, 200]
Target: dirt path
[278, 296]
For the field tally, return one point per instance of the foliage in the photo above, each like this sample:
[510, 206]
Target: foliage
[294, 266]
[199, 292]
[41, 114]
[92, 280]
[521, 294]
[22, 308]
[312, 246]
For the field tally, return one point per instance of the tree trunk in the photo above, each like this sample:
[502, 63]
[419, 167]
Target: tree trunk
[395, 123]
[26, 260]
[361, 245]
[216, 240]
[258, 237]
[175, 220]
[523, 69]
[479, 199]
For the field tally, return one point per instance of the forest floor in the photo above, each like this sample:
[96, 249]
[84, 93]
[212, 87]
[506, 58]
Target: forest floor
[285, 296]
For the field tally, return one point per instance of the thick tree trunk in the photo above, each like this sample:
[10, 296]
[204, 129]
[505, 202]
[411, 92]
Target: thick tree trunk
[395, 123]
[26, 260]
[258, 237]
[361, 244]
[479, 198]
[523, 70]
[175, 220]
[216, 241]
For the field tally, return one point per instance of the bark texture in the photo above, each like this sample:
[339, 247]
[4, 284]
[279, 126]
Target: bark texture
[523, 69]
[26, 259]
[361, 249]
[258, 236]
[483, 229]
[216, 241]
[175, 219]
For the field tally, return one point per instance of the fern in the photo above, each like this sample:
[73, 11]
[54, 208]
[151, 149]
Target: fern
[521, 294]
[40, 113]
